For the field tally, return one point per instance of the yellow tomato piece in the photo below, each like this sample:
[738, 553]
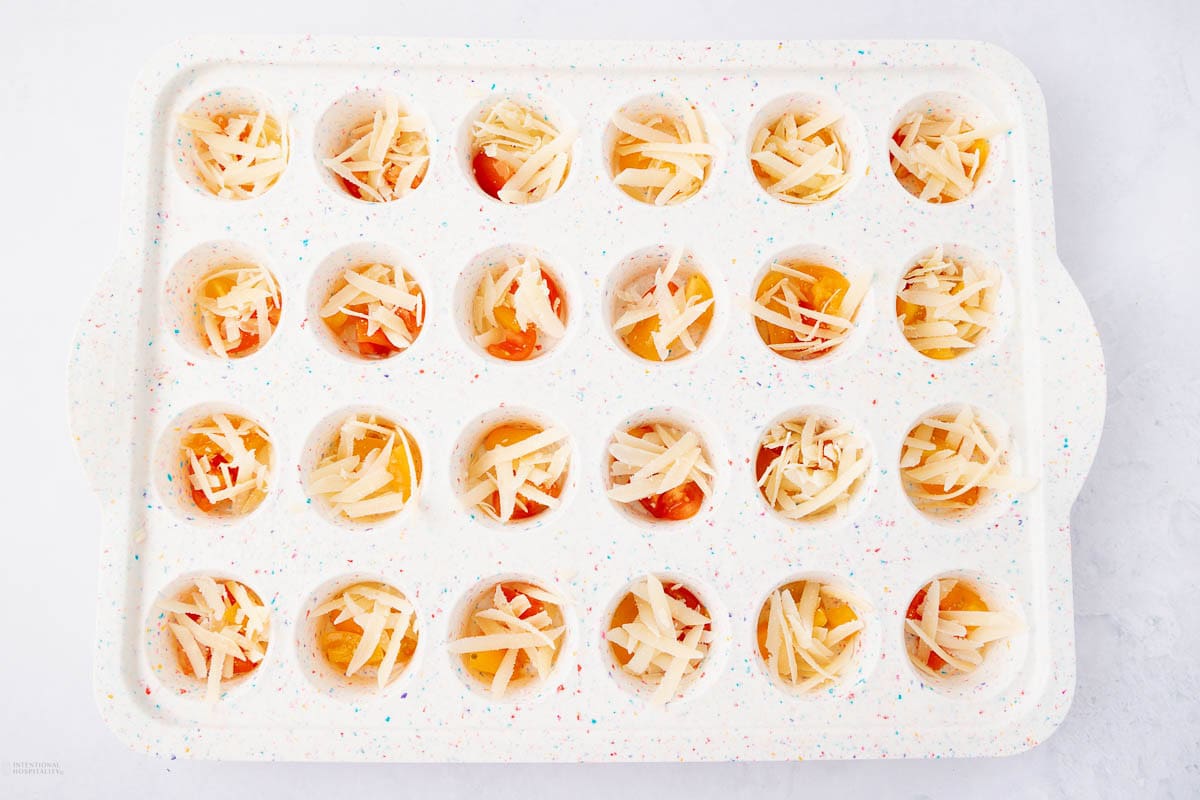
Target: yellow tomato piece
[640, 339]
[962, 598]
[487, 662]
[339, 648]
[819, 620]
[508, 434]
[402, 475]
[840, 615]
[219, 287]
[507, 319]
[909, 313]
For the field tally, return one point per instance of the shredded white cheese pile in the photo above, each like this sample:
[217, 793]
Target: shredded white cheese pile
[237, 155]
[508, 626]
[805, 649]
[820, 463]
[536, 151]
[519, 473]
[959, 638]
[666, 640]
[528, 304]
[223, 466]
[656, 462]
[946, 305]
[948, 455]
[801, 158]
[386, 619]
[816, 331]
[940, 155]
[678, 312]
[215, 623]
[387, 156]
[661, 158]
[370, 472]
[384, 290]
[234, 301]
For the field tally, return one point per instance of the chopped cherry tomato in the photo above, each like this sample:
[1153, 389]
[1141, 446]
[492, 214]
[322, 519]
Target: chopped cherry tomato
[241, 666]
[765, 456]
[914, 608]
[517, 345]
[535, 606]
[490, 173]
[683, 595]
[935, 661]
[682, 502]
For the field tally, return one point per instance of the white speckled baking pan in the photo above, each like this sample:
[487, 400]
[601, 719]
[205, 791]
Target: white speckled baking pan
[132, 374]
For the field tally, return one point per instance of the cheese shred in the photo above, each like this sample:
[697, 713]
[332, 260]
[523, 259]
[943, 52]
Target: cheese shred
[220, 629]
[660, 635]
[945, 305]
[800, 158]
[808, 634]
[661, 158]
[370, 472]
[939, 159]
[811, 467]
[950, 459]
[367, 629]
[384, 157]
[512, 637]
[237, 155]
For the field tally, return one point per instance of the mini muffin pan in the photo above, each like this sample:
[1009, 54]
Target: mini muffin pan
[138, 370]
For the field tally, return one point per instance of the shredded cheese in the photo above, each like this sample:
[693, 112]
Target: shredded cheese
[385, 157]
[220, 628]
[520, 475]
[512, 636]
[518, 301]
[370, 472]
[659, 638]
[386, 299]
[367, 629]
[228, 460]
[239, 306]
[949, 459]
[661, 158]
[811, 467]
[808, 633]
[664, 316]
[945, 304]
[237, 155]
[650, 462]
[939, 159]
[531, 149]
[800, 158]
[804, 311]
[958, 639]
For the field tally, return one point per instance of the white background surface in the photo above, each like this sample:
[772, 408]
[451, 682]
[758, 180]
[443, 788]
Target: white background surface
[1120, 82]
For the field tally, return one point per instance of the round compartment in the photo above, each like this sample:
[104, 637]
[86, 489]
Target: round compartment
[665, 106]
[989, 504]
[621, 609]
[987, 340]
[948, 106]
[181, 310]
[847, 132]
[166, 657]
[683, 421]
[526, 685]
[472, 439]
[548, 110]
[863, 648]
[171, 469]
[313, 645]
[323, 442]
[494, 262]
[860, 489]
[821, 354]
[634, 275]
[225, 102]
[1002, 658]
[336, 132]
[330, 277]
